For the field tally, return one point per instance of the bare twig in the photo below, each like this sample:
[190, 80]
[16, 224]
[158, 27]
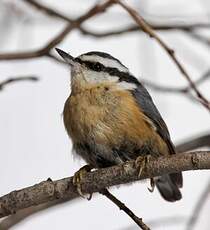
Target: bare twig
[17, 79]
[194, 143]
[123, 207]
[97, 180]
[45, 51]
[133, 28]
[168, 89]
[200, 38]
[160, 222]
[198, 208]
[148, 30]
[52, 12]
[47, 10]
[21, 215]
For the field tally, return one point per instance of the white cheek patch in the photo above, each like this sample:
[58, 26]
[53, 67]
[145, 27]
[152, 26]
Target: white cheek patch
[95, 77]
[107, 62]
[123, 85]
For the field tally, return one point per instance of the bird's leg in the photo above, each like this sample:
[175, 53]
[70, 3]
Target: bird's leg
[141, 162]
[78, 177]
[152, 185]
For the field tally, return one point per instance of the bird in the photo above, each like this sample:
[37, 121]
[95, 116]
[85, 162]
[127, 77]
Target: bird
[111, 118]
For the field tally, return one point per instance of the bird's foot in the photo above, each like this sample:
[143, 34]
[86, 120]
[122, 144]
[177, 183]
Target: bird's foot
[141, 162]
[78, 177]
[152, 185]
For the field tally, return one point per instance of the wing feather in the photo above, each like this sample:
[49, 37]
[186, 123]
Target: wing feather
[148, 107]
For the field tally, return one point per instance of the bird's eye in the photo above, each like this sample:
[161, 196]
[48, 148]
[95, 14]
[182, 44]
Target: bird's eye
[97, 67]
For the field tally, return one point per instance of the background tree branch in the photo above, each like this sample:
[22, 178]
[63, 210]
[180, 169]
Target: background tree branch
[194, 143]
[198, 208]
[45, 51]
[149, 30]
[17, 79]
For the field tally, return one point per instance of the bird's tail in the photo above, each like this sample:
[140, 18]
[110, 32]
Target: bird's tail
[168, 186]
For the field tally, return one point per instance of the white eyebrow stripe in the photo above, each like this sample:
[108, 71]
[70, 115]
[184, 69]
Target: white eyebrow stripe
[107, 62]
[126, 85]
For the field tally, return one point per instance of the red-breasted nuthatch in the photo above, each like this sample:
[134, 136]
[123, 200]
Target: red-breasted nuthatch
[111, 117]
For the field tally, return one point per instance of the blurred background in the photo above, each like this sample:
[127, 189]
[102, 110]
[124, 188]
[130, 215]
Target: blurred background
[34, 143]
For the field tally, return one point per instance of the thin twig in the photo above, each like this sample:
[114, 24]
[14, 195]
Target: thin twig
[17, 79]
[198, 208]
[123, 207]
[160, 222]
[133, 28]
[168, 89]
[52, 12]
[45, 51]
[148, 30]
[47, 10]
[194, 143]
[23, 214]
[199, 37]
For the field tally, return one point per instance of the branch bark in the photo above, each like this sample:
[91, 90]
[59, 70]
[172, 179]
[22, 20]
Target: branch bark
[97, 180]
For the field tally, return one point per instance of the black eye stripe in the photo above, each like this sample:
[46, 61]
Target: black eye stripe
[98, 67]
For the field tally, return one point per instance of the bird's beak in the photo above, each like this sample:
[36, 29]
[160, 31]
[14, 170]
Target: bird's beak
[67, 57]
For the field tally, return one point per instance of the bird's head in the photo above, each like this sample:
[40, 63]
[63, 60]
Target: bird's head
[98, 68]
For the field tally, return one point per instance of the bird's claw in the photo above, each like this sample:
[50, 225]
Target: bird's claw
[78, 177]
[141, 162]
[152, 185]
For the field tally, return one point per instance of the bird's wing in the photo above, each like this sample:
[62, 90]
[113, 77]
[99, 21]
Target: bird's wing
[148, 107]
[146, 103]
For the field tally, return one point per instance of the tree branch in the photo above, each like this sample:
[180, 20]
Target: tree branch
[123, 207]
[160, 222]
[194, 143]
[16, 79]
[190, 144]
[45, 51]
[198, 208]
[149, 30]
[133, 28]
[22, 214]
[168, 89]
[97, 180]
[54, 13]
[47, 10]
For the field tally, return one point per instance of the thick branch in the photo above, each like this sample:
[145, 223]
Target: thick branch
[188, 145]
[97, 180]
